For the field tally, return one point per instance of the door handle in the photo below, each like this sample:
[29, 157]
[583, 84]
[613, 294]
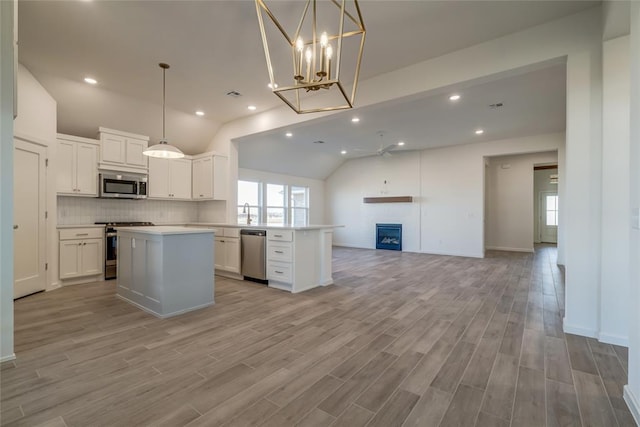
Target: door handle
[15, 227]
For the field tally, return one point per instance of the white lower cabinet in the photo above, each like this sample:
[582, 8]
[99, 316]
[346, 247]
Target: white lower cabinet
[280, 250]
[227, 251]
[298, 260]
[81, 253]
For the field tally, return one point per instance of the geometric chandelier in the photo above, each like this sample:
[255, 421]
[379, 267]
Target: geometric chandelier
[313, 52]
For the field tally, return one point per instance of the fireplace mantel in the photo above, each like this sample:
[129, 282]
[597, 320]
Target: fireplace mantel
[388, 199]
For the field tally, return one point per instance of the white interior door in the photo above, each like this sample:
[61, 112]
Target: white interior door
[548, 216]
[29, 247]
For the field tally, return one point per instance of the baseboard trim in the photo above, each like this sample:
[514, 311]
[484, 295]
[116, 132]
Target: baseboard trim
[53, 286]
[445, 253]
[613, 339]
[508, 249]
[8, 357]
[632, 403]
[577, 330]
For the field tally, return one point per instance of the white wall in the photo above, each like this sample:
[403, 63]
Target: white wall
[396, 175]
[632, 390]
[453, 190]
[447, 215]
[6, 179]
[614, 303]
[36, 122]
[541, 182]
[316, 189]
[511, 201]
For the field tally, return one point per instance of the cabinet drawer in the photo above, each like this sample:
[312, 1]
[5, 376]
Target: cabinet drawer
[280, 272]
[231, 232]
[280, 252]
[280, 235]
[81, 233]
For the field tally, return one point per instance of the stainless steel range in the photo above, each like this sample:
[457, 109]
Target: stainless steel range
[111, 245]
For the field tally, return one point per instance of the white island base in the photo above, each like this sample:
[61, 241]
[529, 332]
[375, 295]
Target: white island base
[166, 271]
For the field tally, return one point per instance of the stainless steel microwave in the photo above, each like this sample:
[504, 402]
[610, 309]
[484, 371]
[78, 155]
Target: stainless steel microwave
[118, 186]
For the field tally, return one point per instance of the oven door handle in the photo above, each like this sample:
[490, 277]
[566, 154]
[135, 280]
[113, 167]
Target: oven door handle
[112, 234]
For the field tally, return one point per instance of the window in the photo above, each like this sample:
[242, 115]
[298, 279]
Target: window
[552, 210]
[299, 206]
[273, 204]
[276, 208]
[249, 192]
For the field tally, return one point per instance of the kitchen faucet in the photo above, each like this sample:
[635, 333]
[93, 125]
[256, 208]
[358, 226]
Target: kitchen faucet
[247, 209]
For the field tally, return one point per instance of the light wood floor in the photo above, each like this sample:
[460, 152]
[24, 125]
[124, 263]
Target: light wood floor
[401, 339]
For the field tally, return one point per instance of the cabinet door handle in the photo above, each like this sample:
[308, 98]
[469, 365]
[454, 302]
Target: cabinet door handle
[202, 195]
[15, 227]
[82, 234]
[80, 244]
[277, 235]
[84, 243]
[279, 272]
[279, 252]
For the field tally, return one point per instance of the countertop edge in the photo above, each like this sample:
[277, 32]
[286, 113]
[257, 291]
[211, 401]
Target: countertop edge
[264, 226]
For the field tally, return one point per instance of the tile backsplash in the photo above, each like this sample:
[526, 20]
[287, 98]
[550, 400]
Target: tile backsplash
[87, 210]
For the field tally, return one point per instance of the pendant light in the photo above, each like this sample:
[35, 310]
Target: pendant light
[163, 149]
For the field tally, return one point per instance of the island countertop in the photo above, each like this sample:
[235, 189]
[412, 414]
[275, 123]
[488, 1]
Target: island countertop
[265, 226]
[166, 230]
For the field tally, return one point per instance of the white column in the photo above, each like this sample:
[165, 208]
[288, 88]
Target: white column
[7, 71]
[614, 291]
[583, 199]
[632, 390]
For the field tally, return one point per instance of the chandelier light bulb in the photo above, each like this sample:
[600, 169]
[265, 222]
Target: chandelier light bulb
[299, 44]
[324, 40]
[329, 52]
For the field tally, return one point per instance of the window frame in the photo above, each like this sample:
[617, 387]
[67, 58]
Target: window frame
[288, 208]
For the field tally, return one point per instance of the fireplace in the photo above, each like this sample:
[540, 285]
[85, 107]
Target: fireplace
[389, 236]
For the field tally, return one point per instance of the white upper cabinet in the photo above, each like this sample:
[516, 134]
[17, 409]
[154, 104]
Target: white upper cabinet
[169, 178]
[77, 172]
[123, 151]
[210, 180]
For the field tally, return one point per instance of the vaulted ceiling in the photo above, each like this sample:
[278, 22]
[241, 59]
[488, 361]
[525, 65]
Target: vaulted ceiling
[214, 47]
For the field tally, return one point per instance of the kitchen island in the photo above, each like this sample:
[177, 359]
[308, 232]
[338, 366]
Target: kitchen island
[298, 258]
[166, 270]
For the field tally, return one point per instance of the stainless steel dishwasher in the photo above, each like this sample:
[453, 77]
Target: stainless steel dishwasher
[254, 260]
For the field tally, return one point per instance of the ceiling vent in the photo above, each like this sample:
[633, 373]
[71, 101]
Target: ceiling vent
[234, 94]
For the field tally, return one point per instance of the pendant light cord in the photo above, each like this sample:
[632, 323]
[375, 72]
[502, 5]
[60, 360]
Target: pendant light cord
[164, 90]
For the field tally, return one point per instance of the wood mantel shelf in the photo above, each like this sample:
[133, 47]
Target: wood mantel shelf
[389, 199]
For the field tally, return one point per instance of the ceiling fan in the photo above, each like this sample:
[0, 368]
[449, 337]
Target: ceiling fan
[383, 150]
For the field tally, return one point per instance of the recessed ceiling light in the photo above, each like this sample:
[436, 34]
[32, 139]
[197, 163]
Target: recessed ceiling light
[199, 113]
[288, 134]
[252, 107]
[401, 143]
[479, 131]
[454, 97]
[90, 80]
[355, 120]
[343, 152]
[275, 85]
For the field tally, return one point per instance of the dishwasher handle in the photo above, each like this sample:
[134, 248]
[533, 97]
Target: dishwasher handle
[253, 232]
